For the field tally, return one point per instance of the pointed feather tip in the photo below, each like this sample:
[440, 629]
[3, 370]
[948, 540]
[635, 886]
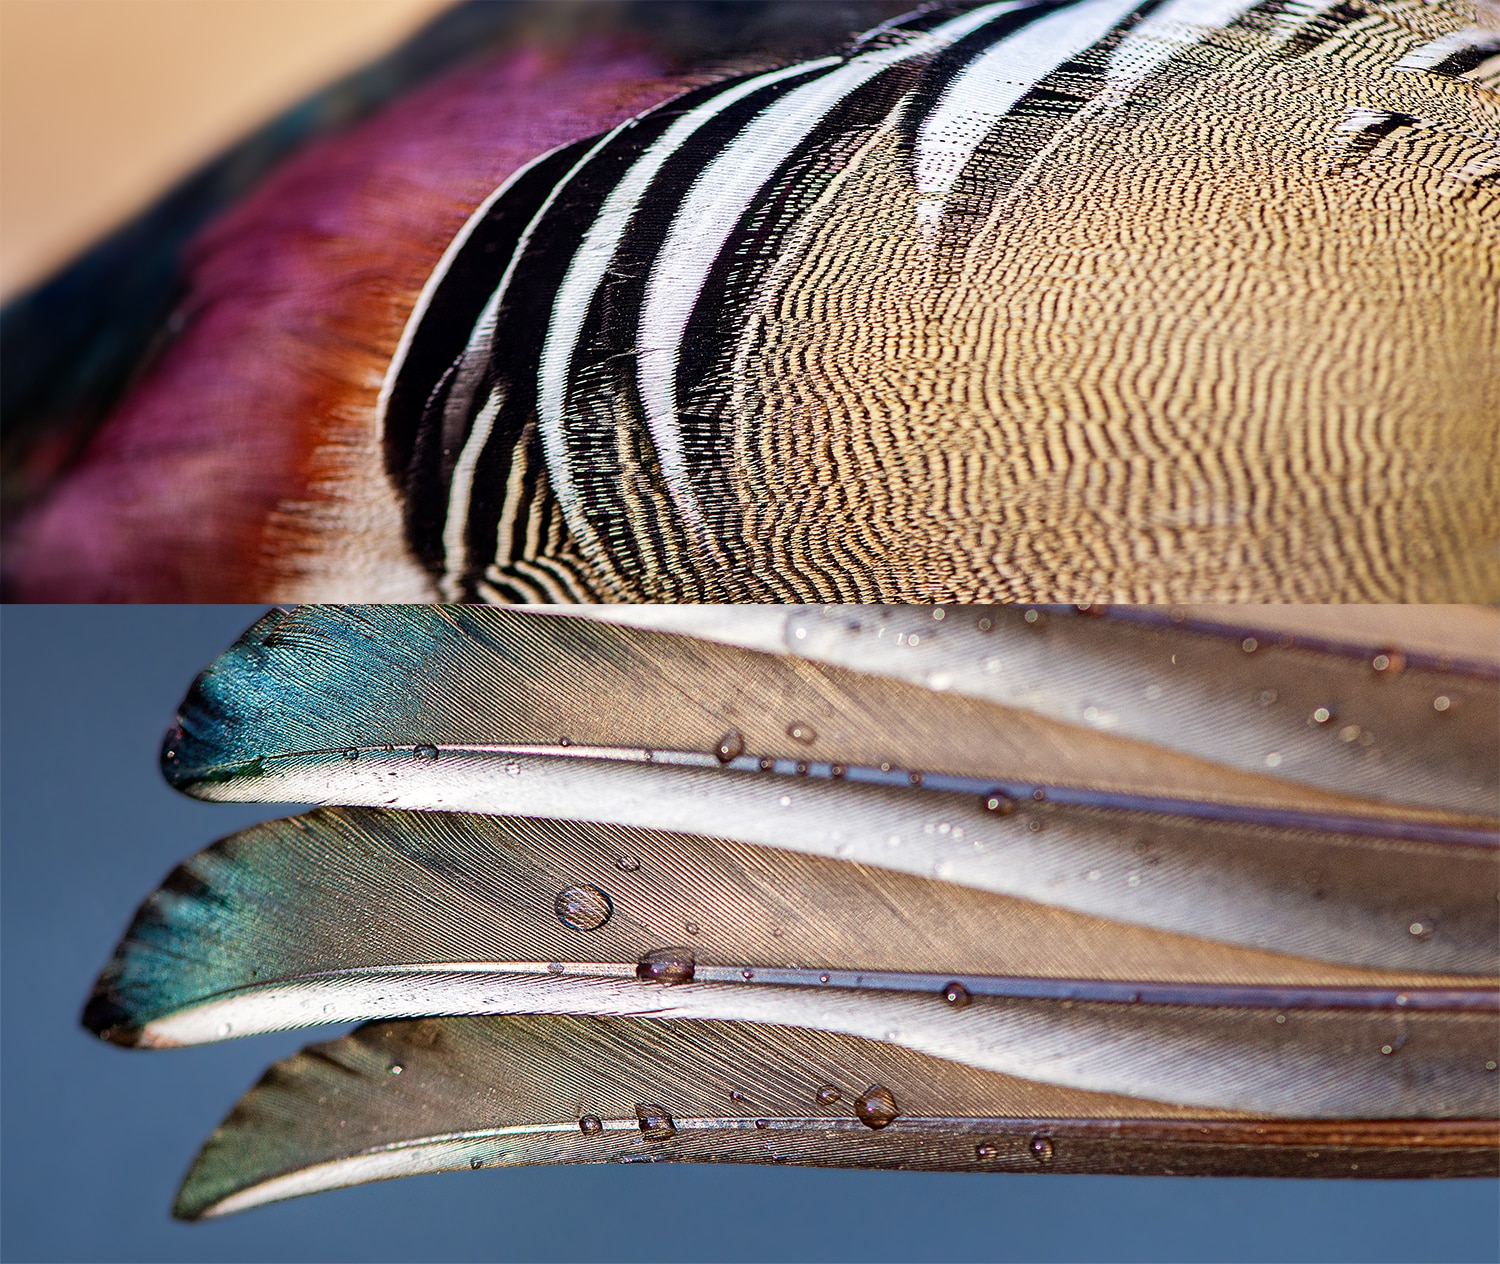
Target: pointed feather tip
[133, 991]
[107, 1018]
[227, 700]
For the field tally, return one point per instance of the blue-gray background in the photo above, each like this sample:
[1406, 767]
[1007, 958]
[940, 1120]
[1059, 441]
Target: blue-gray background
[95, 1138]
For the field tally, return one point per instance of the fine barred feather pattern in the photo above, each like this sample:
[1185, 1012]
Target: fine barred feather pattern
[842, 886]
[676, 300]
[747, 345]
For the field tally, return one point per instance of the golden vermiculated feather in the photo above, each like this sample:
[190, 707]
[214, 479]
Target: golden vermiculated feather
[891, 859]
[1064, 300]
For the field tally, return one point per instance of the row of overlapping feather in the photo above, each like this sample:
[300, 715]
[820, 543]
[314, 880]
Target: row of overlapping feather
[1194, 891]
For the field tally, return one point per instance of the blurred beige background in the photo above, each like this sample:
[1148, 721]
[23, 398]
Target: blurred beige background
[103, 103]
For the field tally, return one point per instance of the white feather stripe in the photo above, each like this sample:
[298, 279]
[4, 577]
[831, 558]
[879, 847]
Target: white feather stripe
[708, 215]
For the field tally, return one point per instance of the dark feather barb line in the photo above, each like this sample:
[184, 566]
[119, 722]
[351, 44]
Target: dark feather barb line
[983, 788]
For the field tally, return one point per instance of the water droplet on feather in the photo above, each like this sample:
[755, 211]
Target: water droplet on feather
[666, 966]
[656, 1123]
[876, 1107]
[583, 907]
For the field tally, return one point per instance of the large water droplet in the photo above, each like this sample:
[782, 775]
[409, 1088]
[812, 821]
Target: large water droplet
[583, 907]
[656, 1123]
[731, 746]
[1043, 1149]
[956, 994]
[875, 1107]
[827, 1095]
[666, 966]
[427, 753]
[591, 1125]
[800, 732]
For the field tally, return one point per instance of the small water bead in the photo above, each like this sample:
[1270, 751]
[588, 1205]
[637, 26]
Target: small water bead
[827, 1095]
[476, 1164]
[351, 754]
[1389, 663]
[956, 994]
[800, 732]
[762, 1124]
[1249, 645]
[591, 1125]
[801, 769]
[1042, 1148]
[731, 746]
[1273, 760]
[915, 778]
[565, 741]
[785, 801]
[1040, 794]
[986, 1152]
[837, 771]
[938, 614]
[823, 978]
[1000, 803]
[692, 928]
[656, 1122]
[735, 1095]
[1322, 715]
[1490, 1065]
[1442, 702]
[876, 1107]
[766, 763]
[747, 975]
[1034, 826]
[667, 966]
[627, 864]
[1420, 930]
[396, 1068]
[583, 907]
[425, 753]
[1032, 616]
[225, 1029]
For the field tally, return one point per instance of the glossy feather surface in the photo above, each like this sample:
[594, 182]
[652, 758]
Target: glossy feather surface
[505, 712]
[365, 914]
[454, 1094]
